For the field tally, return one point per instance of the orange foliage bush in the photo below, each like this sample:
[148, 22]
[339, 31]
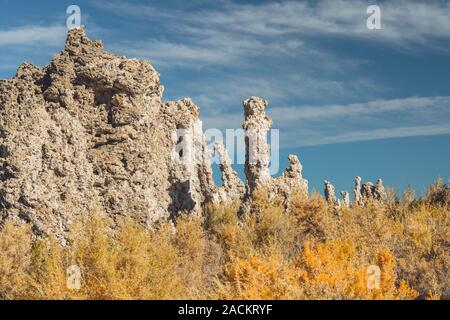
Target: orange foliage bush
[309, 252]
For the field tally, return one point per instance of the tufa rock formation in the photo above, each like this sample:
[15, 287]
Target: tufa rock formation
[257, 157]
[357, 192]
[291, 181]
[257, 151]
[329, 192]
[345, 202]
[362, 194]
[232, 188]
[90, 130]
[379, 192]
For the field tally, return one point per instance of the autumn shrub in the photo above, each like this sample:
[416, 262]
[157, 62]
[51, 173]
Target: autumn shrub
[15, 259]
[47, 271]
[200, 258]
[255, 250]
[269, 227]
[228, 231]
[423, 251]
[337, 270]
[257, 278]
[438, 194]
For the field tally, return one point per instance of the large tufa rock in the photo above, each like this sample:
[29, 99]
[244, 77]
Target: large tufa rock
[90, 130]
[257, 150]
[379, 193]
[345, 201]
[257, 157]
[191, 176]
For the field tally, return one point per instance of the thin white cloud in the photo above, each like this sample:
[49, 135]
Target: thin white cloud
[33, 35]
[373, 120]
[295, 114]
[380, 119]
[233, 35]
[404, 23]
[401, 132]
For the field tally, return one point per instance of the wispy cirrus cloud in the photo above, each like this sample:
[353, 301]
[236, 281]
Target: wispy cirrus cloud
[378, 134]
[379, 119]
[329, 124]
[236, 35]
[32, 43]
[29, 35]
[412, 104]
[403, 21]
[406, 24]
[274, 49]
[227, 34]
[243, 38]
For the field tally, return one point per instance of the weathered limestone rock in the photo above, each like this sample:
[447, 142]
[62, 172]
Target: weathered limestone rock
[357, 192]
[345, 202]
[233, 188]
[330, 195]
[367, 190]
[191, 176]
[291, 181]
[257, 150]
[257, 157]
[379, 191]
[91, 130]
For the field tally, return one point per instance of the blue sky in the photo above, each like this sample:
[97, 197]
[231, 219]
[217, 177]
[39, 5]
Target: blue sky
[349, 101]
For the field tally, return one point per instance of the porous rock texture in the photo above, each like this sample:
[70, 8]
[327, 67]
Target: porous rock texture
[362, 194]
[90, 130]
[330, 194]
[345, 201]
[233, 188]
[357, 192]
[257, 157]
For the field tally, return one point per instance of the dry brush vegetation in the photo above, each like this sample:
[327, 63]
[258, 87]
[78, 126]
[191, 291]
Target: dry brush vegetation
[312, 252]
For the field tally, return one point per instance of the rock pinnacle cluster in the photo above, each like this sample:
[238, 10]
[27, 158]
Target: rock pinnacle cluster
[90, 131]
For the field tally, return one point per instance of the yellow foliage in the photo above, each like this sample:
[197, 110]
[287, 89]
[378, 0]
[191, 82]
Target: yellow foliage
[257, 278]
[309, 252]
[335, 267]
[15, 247]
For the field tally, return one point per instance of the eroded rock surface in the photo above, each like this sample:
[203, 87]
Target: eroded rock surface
[357, 192]
[257, 150]
[345, 201]
[257, 157]
[291, 181]
[233, 188]
[90, 130]
[330, 194]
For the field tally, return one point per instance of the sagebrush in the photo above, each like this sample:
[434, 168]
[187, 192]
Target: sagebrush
[309, 252]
